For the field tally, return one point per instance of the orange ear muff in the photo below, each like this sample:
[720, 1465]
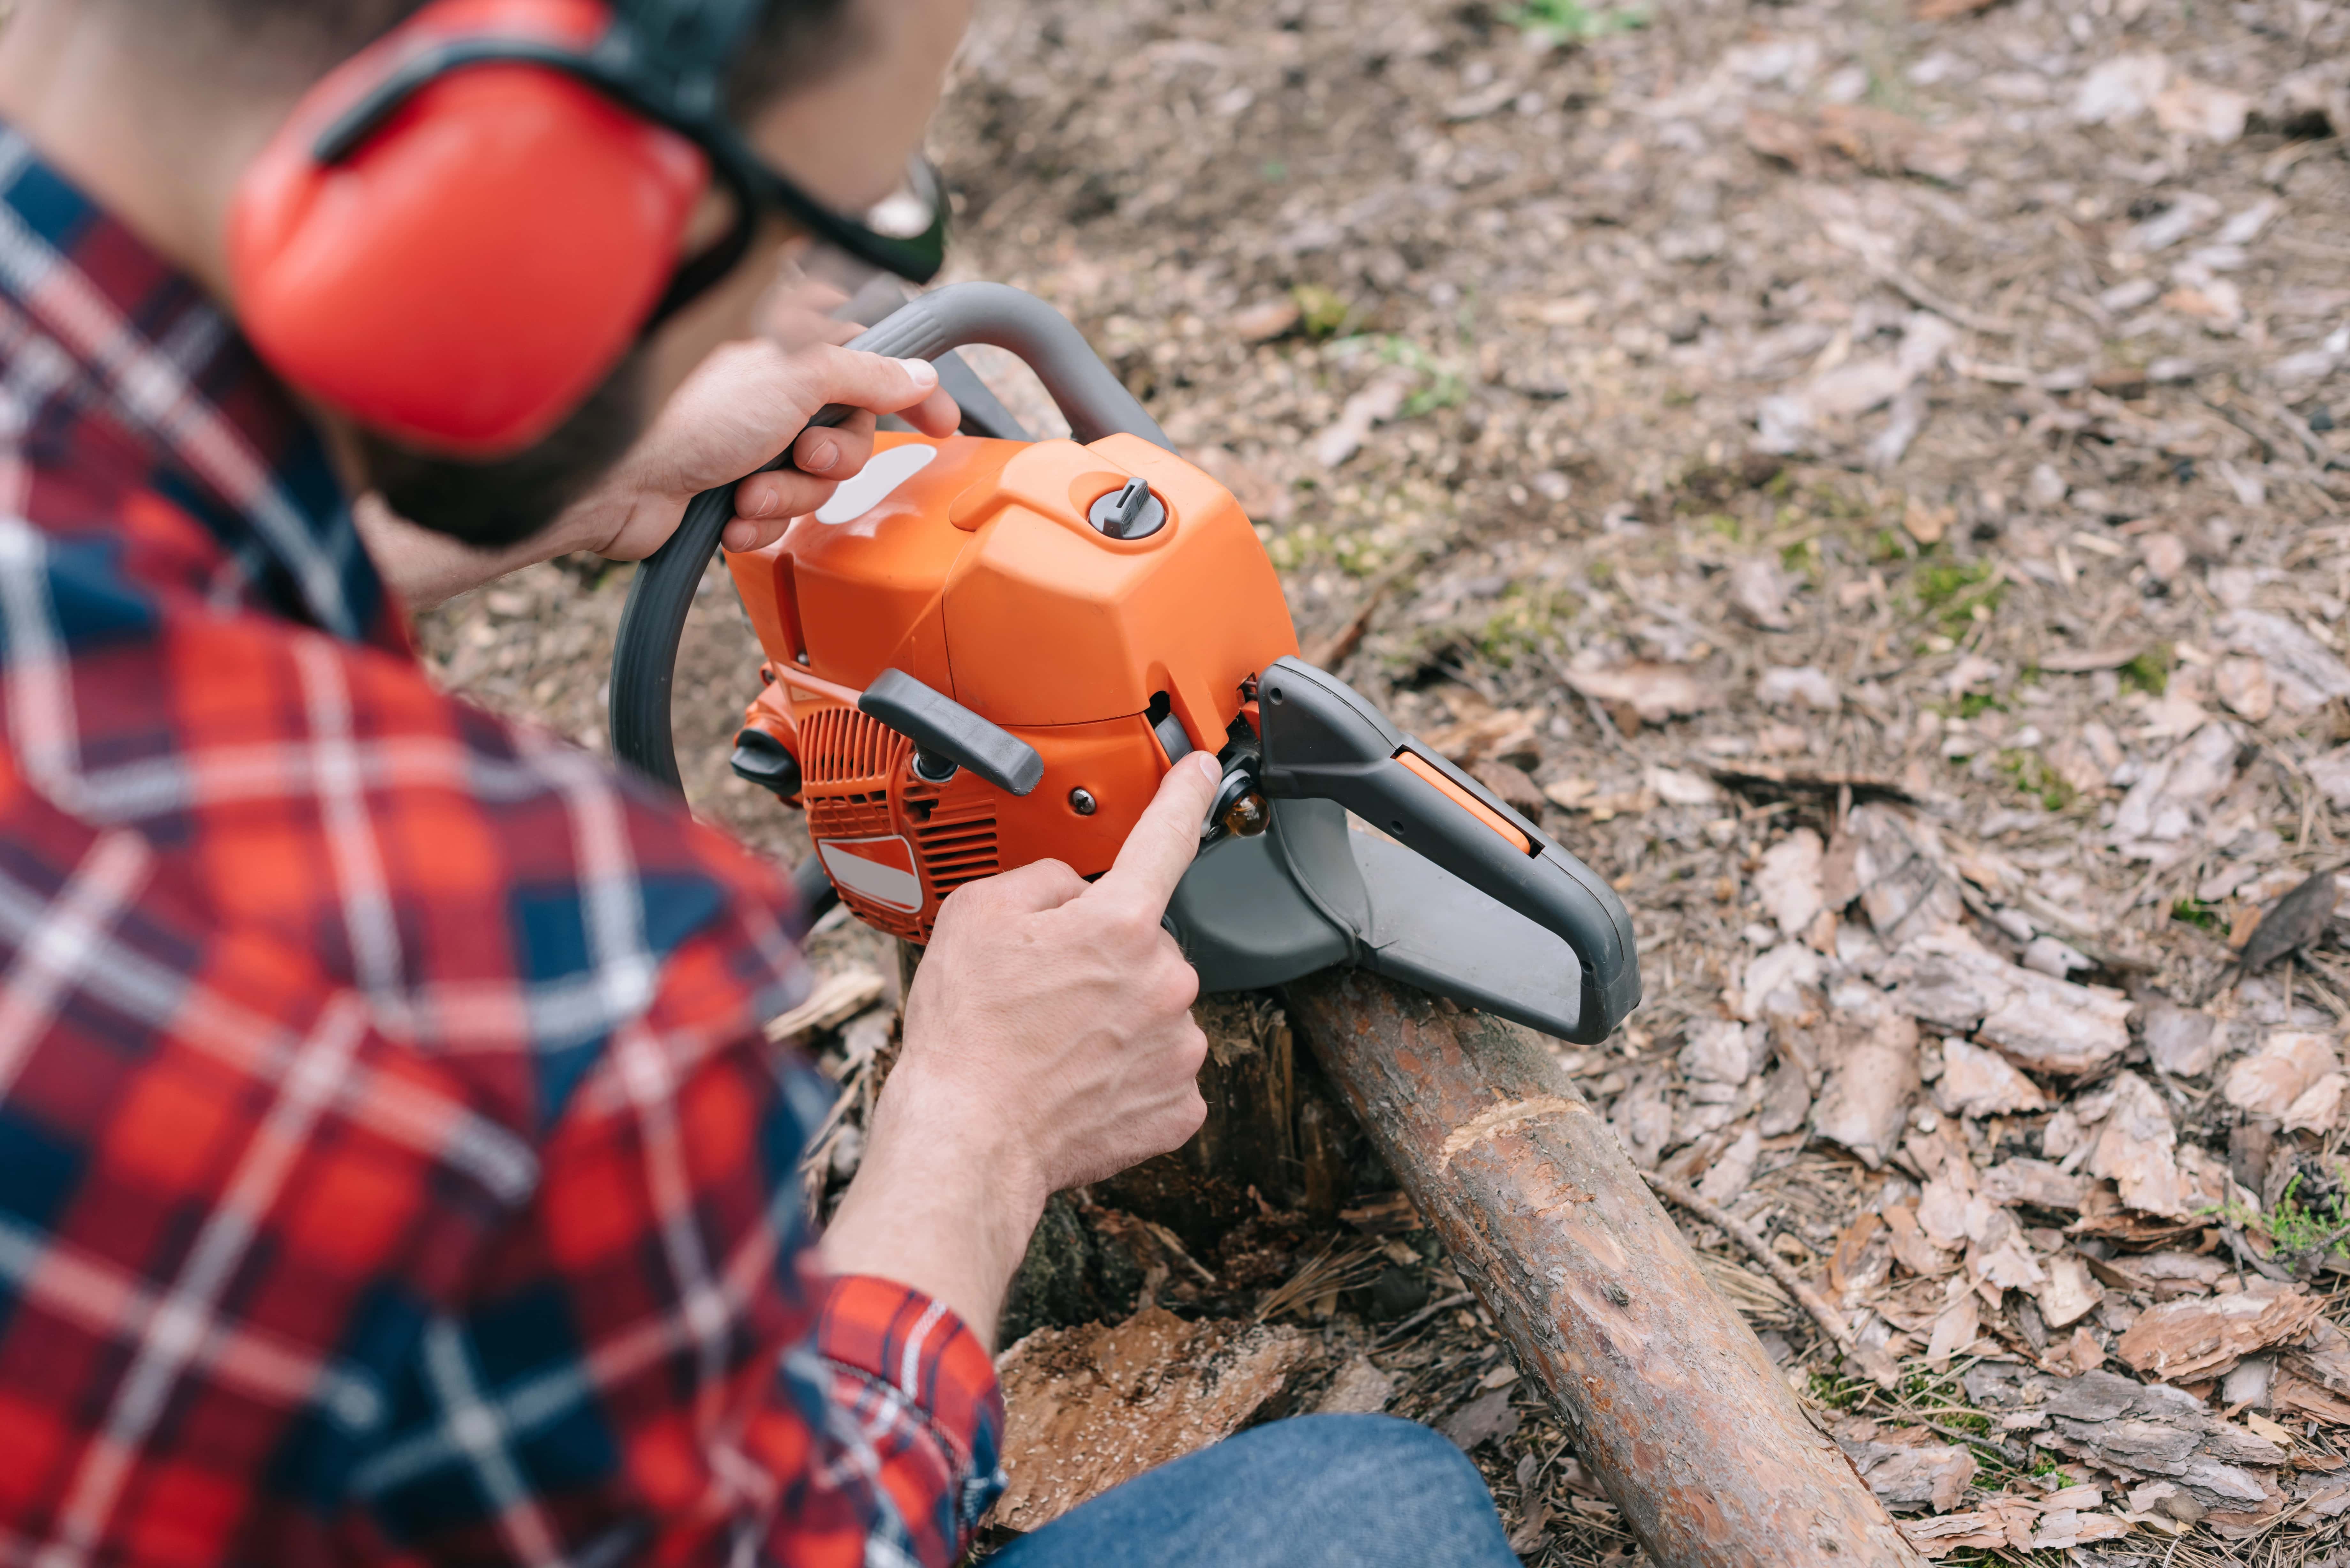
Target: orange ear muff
[470, 273]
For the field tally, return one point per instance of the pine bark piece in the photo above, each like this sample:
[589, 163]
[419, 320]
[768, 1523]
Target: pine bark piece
[1672, 1403]
[2137, 1428]
[1092, 1407]
[2183, 1341]
[2040, 1022]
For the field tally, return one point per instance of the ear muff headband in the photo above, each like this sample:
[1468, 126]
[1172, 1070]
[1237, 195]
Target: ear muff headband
[460, 232]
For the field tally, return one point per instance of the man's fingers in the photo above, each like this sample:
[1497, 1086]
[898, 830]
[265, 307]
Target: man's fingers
[1032, 890]
[835, 452]
[936, 415]
[865, 380]
[1165, 842]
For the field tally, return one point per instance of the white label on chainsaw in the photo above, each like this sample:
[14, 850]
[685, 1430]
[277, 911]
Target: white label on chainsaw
[881, 869]
[877, 482]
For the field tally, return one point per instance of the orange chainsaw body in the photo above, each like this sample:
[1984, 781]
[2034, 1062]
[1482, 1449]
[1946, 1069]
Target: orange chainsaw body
[979, 576]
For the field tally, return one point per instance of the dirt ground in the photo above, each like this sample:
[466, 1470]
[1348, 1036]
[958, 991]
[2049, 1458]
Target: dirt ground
[1870, 476]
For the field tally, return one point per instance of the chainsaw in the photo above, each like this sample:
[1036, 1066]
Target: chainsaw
[986, 651]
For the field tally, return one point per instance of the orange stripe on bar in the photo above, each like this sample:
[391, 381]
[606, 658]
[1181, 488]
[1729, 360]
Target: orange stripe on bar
[1465, 801]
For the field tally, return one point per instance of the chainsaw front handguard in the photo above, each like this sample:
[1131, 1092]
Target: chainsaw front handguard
[1419, 905]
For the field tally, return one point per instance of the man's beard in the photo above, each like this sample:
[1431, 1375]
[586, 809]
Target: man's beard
[497, 504]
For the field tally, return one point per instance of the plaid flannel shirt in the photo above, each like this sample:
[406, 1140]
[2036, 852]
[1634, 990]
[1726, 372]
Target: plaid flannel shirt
[390, 1164]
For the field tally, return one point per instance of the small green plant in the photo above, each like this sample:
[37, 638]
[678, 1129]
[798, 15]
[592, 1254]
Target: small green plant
[2149, 671]
[1951, 592]
[2197, 913]
[1836, 1392]
[1445, 386]
[2296, 1227]
[1571, 21]
[1975, 704]
[1320, 311]
[2035, 777]
[1526, 621]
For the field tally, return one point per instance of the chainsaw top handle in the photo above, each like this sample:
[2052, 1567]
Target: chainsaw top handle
[644, 655]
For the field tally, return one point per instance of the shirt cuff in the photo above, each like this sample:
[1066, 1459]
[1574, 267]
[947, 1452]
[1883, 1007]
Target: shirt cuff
[903, 1346]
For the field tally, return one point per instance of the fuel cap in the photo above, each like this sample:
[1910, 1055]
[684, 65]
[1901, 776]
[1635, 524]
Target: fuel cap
[1131, 512]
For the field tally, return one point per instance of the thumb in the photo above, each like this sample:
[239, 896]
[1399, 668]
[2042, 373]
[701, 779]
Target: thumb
[1166, 841]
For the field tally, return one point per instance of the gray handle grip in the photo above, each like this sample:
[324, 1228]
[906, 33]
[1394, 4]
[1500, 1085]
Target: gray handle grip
[996, 314]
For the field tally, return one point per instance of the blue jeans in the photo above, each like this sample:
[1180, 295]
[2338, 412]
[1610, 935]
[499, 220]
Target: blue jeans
[1322, 1491]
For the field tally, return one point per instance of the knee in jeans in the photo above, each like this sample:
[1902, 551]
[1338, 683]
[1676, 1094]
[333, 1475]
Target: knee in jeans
[1385, 1464]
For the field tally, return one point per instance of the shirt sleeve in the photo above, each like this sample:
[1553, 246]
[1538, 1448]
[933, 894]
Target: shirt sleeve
[649, 1366]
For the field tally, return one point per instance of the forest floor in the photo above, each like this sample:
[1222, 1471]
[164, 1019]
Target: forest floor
[1868, 477]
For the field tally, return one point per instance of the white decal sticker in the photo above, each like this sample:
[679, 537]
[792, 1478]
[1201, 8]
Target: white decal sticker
[877, 482]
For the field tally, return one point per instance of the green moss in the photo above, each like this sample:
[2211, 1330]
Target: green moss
[2297, 1227]
[1975, 704]
[1571, 21]
[1443, 385]
[2197, 913]
[1836, 1392]
[2032, 775]
[2149, 671]
[1957, 592]
[1526, 621]
[1320, 311]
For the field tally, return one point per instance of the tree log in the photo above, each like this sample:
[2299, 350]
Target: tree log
[1671, 1401]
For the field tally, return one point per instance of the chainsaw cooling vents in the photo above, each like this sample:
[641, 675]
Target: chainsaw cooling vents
[947, 838]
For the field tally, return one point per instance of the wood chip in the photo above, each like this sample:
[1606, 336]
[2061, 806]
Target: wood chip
[2294, 921]
[837, 998]
[1657, 693]
[1980, 1083]
[2069, 1292]
[1871, 1085]
[1390, 1215]
[1909, 1467]
[1358, 1389]
[2288, 1063]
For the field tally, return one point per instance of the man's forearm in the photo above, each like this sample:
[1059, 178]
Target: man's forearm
[937, 1208]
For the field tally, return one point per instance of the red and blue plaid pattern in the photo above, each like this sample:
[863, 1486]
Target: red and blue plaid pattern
[390, 1164]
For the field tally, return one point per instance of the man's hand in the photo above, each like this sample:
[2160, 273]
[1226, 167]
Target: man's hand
[734, 414]
[1049, 1043]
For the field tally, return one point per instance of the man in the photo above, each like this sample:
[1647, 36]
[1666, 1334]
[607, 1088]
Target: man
[390, 1164]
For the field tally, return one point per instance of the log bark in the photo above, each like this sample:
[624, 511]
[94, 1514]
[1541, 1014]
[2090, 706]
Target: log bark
[1672, 1403]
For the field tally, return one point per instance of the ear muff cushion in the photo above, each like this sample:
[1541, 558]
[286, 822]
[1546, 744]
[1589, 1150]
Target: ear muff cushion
[466, 278]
